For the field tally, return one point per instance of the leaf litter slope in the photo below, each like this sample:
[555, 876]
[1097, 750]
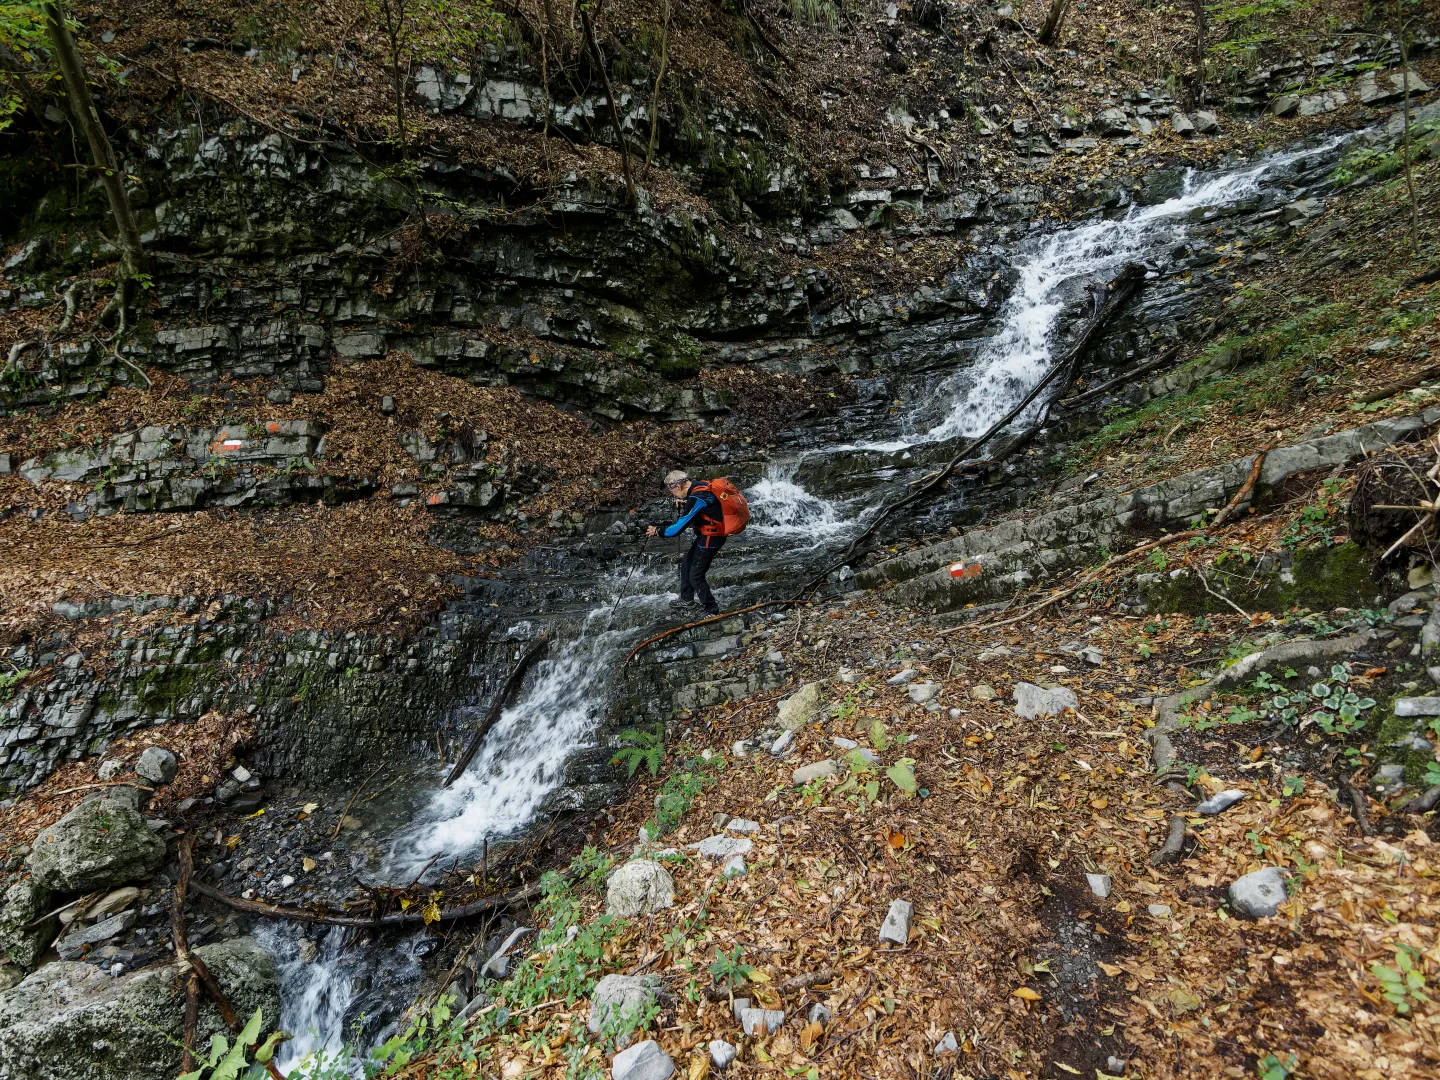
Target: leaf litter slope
[1011, 951]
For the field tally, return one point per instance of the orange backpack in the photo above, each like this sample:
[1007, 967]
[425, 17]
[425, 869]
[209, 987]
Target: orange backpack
[734, 510]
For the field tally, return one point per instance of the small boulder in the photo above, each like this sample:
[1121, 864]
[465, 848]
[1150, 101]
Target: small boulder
[722, 1053]
[643, 1061]
[102, 843]
[983, 692]
[1158, 911]
[639, 887]
[621, 996]
[900, 678]
[761, 1021]
[819, 1014]
[722, 847]
[1284, 105]
[72, 1019]
[157, 765]
[1417, 706]
[1206, 123]
[114, 901]
[896, 928]
[1259, 894]
[734, 867]
[73, 945]
[109, 769]
[1033, 701]
[1223, 801]
[1099, 884]
[742, 826]
[1182, 125]
[922, 692]
[814, 771]
[1112, 122]
[802, 707]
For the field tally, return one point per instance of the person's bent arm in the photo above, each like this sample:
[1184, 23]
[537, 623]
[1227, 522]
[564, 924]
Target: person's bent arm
[696, 504]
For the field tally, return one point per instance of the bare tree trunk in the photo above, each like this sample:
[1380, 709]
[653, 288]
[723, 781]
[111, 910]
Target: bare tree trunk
[659, 77]
[610, 98]
[1405, 137]
[1199, 6]
[1053, 21]
[72, 72]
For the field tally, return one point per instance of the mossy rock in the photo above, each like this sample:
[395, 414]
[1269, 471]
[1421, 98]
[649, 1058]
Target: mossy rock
[102, 843]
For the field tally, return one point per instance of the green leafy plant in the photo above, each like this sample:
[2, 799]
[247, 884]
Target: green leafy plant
[679, 789]
[729, 969]
[1271, 1067]
[1403, 984]
[647, 747]
[902, 775]
[227, 1062]
[9, 680]
[1292, 785]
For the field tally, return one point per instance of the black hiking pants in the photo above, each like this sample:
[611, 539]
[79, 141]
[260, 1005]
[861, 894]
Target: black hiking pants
[693, 569]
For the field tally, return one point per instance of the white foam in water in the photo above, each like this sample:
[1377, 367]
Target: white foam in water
[1020, 354]
[780, 507]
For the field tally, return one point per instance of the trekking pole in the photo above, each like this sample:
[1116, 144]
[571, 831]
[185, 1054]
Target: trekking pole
[626, 587]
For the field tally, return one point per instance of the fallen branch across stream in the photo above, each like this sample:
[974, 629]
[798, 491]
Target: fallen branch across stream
[512, 684]
[1108, 303]
[398, 918]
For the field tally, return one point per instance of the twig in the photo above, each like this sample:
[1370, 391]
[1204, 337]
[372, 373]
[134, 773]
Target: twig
[1228, 510]
[1359, 805]
[1174, 843]
[182, 952]
[1219, 595]
[1095, 391]
[354, 795]
[100, 784]
[87, 900]
[1410, 382]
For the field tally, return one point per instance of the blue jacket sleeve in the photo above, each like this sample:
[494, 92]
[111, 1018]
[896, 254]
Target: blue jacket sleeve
[696, 504]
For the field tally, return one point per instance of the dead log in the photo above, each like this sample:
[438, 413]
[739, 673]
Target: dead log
[399, 918]
[1174, 845]
[1360, 807]
[1422, 803]
[512, 684]
[1119, 380]
[1228, 510]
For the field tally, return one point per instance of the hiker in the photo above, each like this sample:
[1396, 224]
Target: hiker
[715, 509]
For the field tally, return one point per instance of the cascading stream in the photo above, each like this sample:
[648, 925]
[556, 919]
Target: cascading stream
[521, 762]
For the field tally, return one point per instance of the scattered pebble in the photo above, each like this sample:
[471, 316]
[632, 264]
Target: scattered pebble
[1223, 801]
[896, 928]
[1100, 885]
[1259, 894]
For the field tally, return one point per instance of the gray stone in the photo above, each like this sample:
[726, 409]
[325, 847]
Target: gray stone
[639, 887]
[742, 825]
[983, 692]
[1159, 911]
[71, 1019]
[109, 769]
[734, 867]
[1182, 125]
[722, 847]
[643, 1061]
[761, 1021]
[1417, 706]
[920, 693]
[814, 771]
[20, 943]
[1099, 885]
[819, 1014]
[738, 1006]
[896, 928]
[102, 843]
[1284, 105]
[1112, 122]
[1222, 801]
[901, 678]
[1091, 655]
[722, 1053]
[782, 743]
[72, 945]
[802, 707]
[1033, 701]
[1302, 210]
[947, 1045]
[845, 220]
[157, 765]
[620, 997]
[1259, 894]
[1206, 123]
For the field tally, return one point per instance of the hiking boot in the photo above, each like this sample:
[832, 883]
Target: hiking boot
[679, 603]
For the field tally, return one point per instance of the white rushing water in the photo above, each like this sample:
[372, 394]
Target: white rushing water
[1014, 360]
[781, 508]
